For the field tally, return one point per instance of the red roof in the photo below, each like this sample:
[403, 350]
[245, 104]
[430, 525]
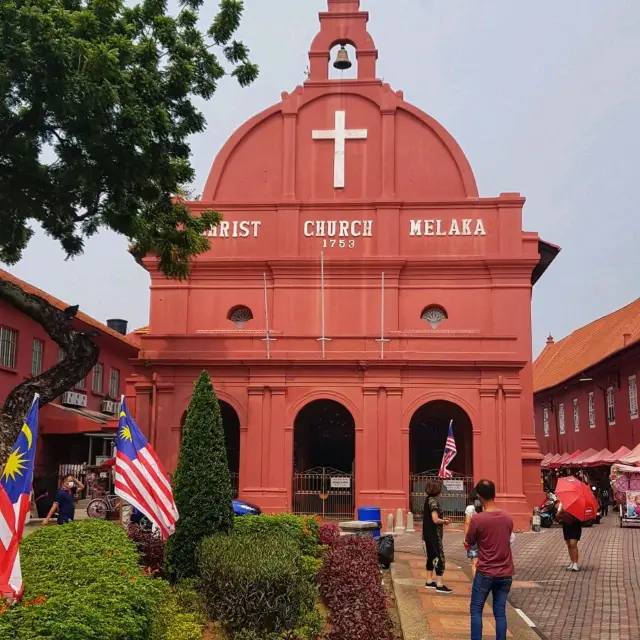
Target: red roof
[555, 464]
[586, 347]
[59, 304]
[546, 460]
[578, 460]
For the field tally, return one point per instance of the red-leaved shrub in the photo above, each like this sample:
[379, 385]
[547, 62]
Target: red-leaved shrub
[329, 534]
[150, 546]
[351, 586]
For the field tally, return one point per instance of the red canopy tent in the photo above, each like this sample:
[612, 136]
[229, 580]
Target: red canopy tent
[555, 464]
[632, 458]
[578, 461]
[616, 455]
[597, 460]
[568, 461]
[554, 458]
[544, 463]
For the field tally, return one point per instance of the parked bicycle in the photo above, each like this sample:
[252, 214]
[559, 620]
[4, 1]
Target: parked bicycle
[108, 507]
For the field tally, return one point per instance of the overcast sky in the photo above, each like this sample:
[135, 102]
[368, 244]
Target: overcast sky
[543, 97]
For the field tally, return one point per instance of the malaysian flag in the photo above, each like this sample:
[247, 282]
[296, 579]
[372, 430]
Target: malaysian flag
[15, 503]
[139, 476]
[449, 454]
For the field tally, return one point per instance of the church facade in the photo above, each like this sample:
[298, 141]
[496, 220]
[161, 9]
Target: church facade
[359, 297]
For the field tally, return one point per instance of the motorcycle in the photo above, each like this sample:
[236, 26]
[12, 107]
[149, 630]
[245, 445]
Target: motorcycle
[548, 511]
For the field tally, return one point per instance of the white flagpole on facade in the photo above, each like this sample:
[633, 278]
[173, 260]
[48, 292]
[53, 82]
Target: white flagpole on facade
[382, 339]
[268, 339]
[323, 338]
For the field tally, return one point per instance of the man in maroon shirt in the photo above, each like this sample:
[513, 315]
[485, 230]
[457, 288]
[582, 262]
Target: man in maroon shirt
[491, 530]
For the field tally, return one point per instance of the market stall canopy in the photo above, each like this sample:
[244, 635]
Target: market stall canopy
[632, 458]
[555, 464]
[554, 458]
[568, 461]
[616, 455]
[544, 463]
[597, 460]
[578, 461]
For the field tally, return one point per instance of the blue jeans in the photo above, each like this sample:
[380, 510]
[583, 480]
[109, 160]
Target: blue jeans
[499, 588]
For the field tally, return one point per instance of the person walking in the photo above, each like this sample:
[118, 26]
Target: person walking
[432, 530]
[470, 511]
[64, 503]
[572, 532]
[604, 500]
[492, 531]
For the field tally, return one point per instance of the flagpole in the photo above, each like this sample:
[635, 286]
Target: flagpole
[267, 338]
[323, 338]
[382, 339]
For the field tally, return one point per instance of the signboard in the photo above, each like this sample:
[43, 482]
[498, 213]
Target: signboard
[633, 504]
[101, 459]
[341, 483]
[454, 485]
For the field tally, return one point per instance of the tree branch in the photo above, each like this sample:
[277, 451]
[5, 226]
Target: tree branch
[81, 354]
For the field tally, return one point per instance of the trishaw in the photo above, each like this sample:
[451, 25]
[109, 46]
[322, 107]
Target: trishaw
[625, 482]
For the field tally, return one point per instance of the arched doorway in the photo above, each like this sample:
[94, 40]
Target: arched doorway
[324, 449]
[231, 426]
[428, 431]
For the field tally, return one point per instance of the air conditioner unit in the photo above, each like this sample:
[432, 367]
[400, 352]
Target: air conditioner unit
[110, 406]
[74, 399]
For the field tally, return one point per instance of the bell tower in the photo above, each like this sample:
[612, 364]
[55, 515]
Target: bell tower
[343, 24]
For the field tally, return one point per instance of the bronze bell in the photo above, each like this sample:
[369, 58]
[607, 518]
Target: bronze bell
[342, 60]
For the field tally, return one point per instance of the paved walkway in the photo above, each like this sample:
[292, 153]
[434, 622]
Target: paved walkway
[601, 602]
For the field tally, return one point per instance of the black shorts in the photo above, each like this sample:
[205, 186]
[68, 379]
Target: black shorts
[572, 531]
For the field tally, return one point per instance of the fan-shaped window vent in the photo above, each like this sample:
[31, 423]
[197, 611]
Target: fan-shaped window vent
[434, 315]
[240, 316]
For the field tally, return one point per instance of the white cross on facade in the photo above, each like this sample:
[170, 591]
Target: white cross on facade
[340, 134]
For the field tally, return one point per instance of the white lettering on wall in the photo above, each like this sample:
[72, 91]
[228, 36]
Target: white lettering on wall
[235, 229]
[338, 228]
[469, 227]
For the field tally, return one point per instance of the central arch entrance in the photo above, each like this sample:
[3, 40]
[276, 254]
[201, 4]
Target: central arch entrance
[428, 431]
[231, 426]
[323, 460]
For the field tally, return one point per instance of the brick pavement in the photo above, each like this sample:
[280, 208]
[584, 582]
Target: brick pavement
[601, 602]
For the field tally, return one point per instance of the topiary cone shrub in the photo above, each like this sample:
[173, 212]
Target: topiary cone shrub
[201, 484]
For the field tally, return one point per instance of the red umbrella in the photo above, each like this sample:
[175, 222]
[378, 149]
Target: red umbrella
[577, 498]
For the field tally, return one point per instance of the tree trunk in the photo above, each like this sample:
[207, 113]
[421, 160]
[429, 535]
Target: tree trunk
[81, 354]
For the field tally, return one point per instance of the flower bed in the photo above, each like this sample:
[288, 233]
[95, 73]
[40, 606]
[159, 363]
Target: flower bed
[83, 582]
[351, 586]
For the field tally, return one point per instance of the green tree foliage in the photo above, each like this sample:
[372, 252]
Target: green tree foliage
[96, 108]
[97, 104]
[201, 485]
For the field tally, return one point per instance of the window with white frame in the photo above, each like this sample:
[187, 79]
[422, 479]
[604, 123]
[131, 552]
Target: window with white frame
[545, 422]
[561, 418]
[98, 378]
[633, 397]
[592, 410]
[37, 357]
[114, 383]
[8, 344]
[611, 407]
[576, 415]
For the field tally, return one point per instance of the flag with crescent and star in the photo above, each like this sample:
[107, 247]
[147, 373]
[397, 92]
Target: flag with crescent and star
[139, 476]
[15, 502]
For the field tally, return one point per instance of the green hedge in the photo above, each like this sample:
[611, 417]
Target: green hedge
[305, 530]
[259, 586]
[83, 582]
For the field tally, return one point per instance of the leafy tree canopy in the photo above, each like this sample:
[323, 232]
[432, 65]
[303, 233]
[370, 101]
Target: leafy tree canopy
[96, 108]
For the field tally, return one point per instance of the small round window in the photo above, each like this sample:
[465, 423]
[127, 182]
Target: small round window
[434, 315]
[240, 315]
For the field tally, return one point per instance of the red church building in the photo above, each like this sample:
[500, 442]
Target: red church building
[75, 428]
[359, 296]
[586, 386]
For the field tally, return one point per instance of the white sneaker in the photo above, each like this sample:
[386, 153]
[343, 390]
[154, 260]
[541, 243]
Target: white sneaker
[570, 567]
[576, 567]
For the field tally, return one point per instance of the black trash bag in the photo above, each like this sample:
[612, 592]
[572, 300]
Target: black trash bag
[386, 550]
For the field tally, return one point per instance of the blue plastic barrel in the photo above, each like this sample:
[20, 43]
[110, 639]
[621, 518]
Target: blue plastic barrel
[370, 514]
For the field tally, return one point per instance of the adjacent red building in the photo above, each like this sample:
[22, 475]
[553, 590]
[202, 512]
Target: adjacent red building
[359, 296]
[75, 428]
[586, 386]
